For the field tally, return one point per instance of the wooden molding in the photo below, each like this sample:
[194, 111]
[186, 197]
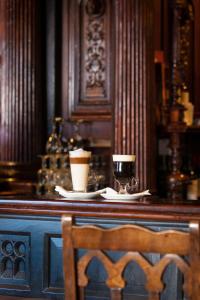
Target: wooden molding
[86, 60]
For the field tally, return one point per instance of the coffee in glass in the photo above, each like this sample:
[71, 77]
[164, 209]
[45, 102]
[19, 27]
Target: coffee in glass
[79, 164]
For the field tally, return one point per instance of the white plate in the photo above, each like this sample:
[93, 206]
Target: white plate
[125, 196]
[77, 195]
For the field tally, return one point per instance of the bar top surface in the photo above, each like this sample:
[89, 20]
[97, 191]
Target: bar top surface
[150, 207]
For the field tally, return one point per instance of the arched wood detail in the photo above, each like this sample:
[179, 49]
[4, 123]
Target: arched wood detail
[115, 270]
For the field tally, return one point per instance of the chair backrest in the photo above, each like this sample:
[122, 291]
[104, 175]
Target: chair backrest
[134, 240]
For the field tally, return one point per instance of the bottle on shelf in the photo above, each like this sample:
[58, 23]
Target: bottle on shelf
[189, 107]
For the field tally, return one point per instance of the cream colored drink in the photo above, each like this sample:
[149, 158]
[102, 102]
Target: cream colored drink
[79, 164]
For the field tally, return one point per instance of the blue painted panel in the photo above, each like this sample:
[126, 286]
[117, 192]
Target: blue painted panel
[15, 259]
[31, 260]
[55, 262]
[23, 240]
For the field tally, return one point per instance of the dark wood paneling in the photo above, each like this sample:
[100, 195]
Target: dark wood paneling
[134, 73]
[196, 73]
[158, 25]
[21, 103]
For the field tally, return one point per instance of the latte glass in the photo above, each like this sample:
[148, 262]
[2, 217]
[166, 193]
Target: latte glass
[79, 165]
[124, 172]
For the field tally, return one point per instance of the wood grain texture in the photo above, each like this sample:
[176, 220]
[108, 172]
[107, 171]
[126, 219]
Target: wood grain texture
[134, 71]
[142, 237]
[21, 98]
[154, 209]
[174, 245]
[196, 71]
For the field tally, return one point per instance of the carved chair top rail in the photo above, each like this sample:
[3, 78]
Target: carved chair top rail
[129, 236]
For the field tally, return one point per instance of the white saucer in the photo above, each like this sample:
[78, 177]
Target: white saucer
[110, 196]
[78, 195]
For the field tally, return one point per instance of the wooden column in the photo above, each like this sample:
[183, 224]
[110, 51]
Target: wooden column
[134, 130]
[21, 101]
[196, 72]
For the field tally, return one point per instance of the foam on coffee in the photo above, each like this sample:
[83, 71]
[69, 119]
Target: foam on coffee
[123, 157]
[80, 153]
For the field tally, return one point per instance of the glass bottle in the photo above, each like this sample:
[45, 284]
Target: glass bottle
[189, 107]
[54, 144]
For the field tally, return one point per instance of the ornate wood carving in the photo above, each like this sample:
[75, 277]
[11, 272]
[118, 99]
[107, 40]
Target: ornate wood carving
[14, 258]
[151, 271]
[86, 64]
[94, 70]
[134, 100]
[21, 124]
[136, 240]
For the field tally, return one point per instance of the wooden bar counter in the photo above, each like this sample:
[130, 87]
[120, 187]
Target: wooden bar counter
[146, 208]
[31, 243]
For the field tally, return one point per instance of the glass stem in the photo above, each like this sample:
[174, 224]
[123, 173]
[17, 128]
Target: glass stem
[122, 188]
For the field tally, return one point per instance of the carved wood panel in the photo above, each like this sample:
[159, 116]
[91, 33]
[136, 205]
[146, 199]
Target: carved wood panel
[14, 260]
[87, 59]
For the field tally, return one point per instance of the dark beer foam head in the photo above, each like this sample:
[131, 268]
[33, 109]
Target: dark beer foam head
[123, 157]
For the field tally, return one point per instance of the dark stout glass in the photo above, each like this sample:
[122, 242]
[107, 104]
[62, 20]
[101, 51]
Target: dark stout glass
[124, 171]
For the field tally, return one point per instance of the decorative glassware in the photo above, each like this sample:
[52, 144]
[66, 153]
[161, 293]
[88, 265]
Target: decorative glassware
[65, 174]
[54, 144]
[45, 177]
[77, 141]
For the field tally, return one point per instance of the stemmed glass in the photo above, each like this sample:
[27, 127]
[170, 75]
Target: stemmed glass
[124, 172]
[54, 143]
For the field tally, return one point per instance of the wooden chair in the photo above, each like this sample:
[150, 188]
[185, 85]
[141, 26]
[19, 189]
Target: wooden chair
[134, 240]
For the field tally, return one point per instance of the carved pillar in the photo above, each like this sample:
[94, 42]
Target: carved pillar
[21, 129]
[134, 118]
